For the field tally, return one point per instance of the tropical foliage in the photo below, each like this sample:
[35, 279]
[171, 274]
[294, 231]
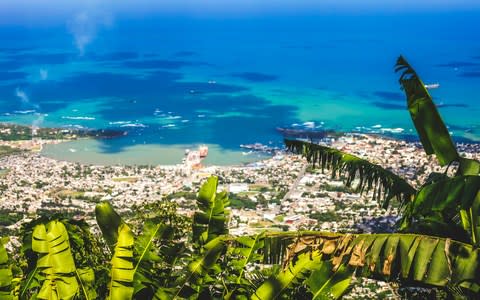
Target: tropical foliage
[165, 256]
[444, 206]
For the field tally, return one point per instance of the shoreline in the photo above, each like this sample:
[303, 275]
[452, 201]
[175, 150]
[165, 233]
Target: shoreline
[175, 152]
[37, 146]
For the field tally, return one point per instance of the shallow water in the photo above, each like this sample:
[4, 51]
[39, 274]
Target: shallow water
[89, 151]
[176, 82]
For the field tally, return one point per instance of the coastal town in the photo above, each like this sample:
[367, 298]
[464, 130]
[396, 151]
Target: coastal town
[283, 192]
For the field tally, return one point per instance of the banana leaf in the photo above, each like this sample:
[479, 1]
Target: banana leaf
[293, 274]
[55, 261]
[121, 284]
[411, 259]
[109, 222]
[200, 270]
[6, 276]
[468, 167]
[146, 254]
[243, 252]
[452, 204]
[384, 184]
[211, 221]
[325, 285]
[433, 133]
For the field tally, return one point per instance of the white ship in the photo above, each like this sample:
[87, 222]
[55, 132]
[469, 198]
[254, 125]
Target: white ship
[203, 151]
[193, 158]
[432, 86]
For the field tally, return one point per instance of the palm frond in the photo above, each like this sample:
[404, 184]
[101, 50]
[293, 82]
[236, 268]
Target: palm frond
[384, 184]
[433, 133]
[407, 258]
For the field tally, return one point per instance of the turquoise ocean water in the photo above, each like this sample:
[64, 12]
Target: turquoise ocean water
[175, 82]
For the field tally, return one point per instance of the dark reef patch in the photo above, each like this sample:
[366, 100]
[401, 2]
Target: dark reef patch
[184, 53]
[389, 96]
[114, 56]
[161, 64]
[255, 76]
[11, 65]
[12, 75]
[15, 50]
[472, 74]
[42, 58]
[156, 64]
[388, 105]
[230, 114]
[14, 60]
[457, 64]
[106, 84]
[214, 128]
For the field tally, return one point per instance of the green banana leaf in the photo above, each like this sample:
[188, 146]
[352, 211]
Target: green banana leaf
[201, 268]
[468, 167]
[211, 221]
[55, 261]
[292, 275]
[86, 278]
[121, 284]
[109, 222]
[6, 276]
[432, 131]
[146, 254]
[325, 285]
[244, 251]
[247, 251]
[451, 204]
[384, 184]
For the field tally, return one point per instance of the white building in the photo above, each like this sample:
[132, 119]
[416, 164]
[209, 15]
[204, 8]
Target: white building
[238, 188]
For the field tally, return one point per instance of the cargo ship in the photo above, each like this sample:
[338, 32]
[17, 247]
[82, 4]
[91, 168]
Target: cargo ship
[194, 157]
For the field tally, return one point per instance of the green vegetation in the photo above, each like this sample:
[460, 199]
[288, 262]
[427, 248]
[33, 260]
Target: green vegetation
[7, 150]
[125, 179]
[185, 194]
[241, 200]
[330, 216]
[163, 256]
[15, 132]
[8, 218]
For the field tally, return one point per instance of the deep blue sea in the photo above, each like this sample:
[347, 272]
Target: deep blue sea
[176, 82]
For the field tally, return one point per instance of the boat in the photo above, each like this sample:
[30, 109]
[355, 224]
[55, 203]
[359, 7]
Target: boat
[432, 86]
[203, 150]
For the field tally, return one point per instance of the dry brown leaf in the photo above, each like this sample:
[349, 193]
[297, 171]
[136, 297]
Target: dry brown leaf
[357, 259]
[329, 246]
[387, 265]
